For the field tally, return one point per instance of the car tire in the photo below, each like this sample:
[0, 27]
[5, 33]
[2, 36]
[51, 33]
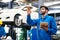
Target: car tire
[17, 20]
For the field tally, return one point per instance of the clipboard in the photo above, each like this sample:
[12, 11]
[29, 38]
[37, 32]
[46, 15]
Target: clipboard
[44, 24]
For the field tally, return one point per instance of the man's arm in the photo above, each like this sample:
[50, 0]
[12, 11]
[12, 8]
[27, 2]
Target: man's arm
[4, 33]
[31, 22]
[53, 26]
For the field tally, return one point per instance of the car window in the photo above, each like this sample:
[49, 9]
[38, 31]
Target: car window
[58, 18]
[57, 14]
[52, 14]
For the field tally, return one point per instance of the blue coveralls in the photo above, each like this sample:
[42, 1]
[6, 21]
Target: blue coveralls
[2, 32]
[42, 34]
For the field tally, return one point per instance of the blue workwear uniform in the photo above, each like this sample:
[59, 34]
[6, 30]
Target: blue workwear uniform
[41, 34]
[2, 32]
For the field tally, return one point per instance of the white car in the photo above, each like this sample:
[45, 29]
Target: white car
[14, 15]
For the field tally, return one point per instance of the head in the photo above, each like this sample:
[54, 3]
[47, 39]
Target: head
[44, 9]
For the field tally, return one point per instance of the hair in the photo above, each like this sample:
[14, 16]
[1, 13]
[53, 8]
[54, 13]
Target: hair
[44, 7]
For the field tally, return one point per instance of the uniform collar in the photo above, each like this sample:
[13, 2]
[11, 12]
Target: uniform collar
[44, 16]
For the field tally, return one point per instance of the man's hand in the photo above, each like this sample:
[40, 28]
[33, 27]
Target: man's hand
[3, 37]
[28, 10]
[44, 25]
[45, 28]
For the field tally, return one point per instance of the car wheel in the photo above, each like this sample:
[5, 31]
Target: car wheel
[18, 20]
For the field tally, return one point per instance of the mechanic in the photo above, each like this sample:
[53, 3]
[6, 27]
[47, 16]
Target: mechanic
[46, 25]
[2, 31]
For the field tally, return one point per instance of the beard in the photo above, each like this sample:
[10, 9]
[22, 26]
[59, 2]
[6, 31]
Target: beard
[42, 13]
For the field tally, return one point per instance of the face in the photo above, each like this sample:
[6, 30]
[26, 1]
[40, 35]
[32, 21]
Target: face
[43, 10]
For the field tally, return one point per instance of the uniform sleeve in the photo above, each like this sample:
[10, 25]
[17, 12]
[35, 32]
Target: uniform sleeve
[31, 22]
[53, 27]
[4, 33]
